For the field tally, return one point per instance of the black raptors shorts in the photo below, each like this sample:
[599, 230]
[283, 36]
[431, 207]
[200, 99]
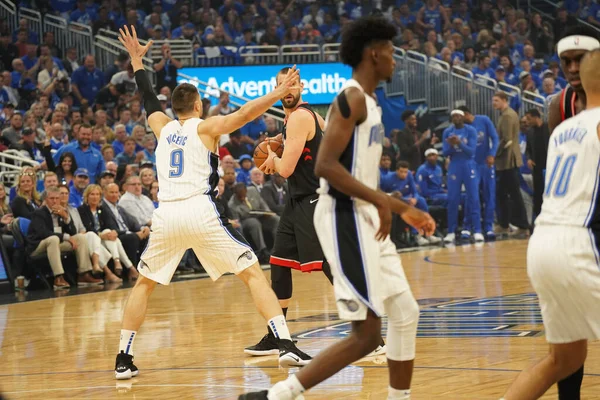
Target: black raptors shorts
[296, 244]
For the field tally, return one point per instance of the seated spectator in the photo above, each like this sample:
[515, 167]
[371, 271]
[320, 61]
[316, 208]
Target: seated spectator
[226, 210]
[128, 156]
[50, 180]
[8, 94]
[164, 103]
[162, 18]
[527, 83]
[98, 253]
[229, 178]
[135, 203]
[27, 199]
[82, 14]
[549, 87]
[120, 135]
[86, 156]
[148, 152]
[243, 173]
[132, 235]
[111, 166]
[154, 193]
[430, 180]
[275, 193]
[71, 62]
[223, 107]
[67, 165]
[108, 153]
[105, 179]
[257, 179]
[57, 139]
[28, 147]
[253, 130]
[401, 185]
[248, 207]
[6, 217]
[93, 214]
[147, 177]
[80, 183]
[98, 138]
[483, 67]
[226, 162]
[51, 231]
[235, 146]
[12, 134]
[384, 165]
[138, 134]
[103, 21]
[125, 119]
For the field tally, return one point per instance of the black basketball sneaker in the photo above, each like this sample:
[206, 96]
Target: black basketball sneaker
[267, 346]
[124, 367]
[290, 355]
[254, 396]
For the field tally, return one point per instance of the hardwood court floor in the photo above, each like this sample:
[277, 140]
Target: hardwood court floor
[479, 326]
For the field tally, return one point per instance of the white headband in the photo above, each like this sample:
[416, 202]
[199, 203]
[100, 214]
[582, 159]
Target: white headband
[577, 42]
[459, 112]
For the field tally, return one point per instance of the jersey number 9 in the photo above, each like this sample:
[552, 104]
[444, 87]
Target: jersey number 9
[176, 163]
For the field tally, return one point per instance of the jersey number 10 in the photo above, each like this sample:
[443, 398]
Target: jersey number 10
[176, 162]
[561, 175]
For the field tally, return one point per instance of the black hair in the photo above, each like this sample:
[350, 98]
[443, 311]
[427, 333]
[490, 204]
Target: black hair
[581, 30]
[402, 164]
[362, 33]
[534, 113]
[60, 172]
[464, 109]
[183, 98]
[406, 115]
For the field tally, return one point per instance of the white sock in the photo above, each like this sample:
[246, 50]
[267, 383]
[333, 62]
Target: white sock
[126, 343]
[286, 390]
[279, 327]
[398, 394]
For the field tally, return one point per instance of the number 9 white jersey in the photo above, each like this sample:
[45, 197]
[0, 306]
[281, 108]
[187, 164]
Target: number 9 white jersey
[572, 173]
[185, 167]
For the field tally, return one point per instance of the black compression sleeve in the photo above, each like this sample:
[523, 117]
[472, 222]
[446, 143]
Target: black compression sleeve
[151, 103]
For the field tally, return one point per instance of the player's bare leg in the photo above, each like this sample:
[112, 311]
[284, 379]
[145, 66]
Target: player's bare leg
[133, 317]
[563, 360]
[268, 306]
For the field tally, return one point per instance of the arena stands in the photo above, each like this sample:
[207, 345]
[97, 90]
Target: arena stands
[69, 103]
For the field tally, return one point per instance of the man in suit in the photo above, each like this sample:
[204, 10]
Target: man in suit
[257, 179]
[132, 235]
[244, 205]
[537, 152]
[274, 193]
[51, 231]
[508, 161]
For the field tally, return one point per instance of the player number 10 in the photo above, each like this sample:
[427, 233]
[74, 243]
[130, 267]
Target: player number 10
[176, 161]
[558, 183]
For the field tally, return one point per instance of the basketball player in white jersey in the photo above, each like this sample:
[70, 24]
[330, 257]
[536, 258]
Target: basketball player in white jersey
[353, 220]
[188, 216]
[563, 261]
[576, 41]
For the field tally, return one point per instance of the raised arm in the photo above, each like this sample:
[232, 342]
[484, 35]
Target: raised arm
[223, 125]
[157, 119]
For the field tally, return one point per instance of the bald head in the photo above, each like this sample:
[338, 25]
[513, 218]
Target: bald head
[590, 73]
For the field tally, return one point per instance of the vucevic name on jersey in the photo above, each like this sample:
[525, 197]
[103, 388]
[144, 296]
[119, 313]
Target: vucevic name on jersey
[303, 181]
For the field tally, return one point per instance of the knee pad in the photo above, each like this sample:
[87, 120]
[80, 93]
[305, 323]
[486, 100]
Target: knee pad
[281, 282]
[403, 317]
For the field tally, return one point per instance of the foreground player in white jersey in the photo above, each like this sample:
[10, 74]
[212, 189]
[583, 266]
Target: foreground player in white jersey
[563, 261]
[188, 216]
[353, 220]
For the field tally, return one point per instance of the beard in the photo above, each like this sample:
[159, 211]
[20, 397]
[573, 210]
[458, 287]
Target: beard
[290, 104]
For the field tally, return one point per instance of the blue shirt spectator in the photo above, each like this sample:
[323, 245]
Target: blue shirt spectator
[79, 183]
[28, 61]
[432, 17]
[243, 173]
[63, 6]
[484, 69]
[430, 178]
[82, 14]
[86, 156]
[393, 183]
[254, 128]
[167, 5]
[87, 80]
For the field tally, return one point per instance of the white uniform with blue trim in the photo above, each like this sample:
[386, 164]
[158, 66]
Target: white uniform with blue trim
[188, 216]
[563, 262]
[366, 272]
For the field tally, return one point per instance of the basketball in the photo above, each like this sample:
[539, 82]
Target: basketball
[261, 152]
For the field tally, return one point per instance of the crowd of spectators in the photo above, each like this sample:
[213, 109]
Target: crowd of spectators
[85, 124]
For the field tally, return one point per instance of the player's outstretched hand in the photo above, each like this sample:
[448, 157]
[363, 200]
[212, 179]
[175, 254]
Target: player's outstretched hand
[385, 217]
[290, 82]
[420, 220]
[132, 44]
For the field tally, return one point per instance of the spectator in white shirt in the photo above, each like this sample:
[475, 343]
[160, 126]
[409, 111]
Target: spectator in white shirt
[135, 203]
[257, 178]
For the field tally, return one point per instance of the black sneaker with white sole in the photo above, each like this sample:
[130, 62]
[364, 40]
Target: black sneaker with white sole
[291, 356]
[124, 367]
[262, 395]
[266, 347]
